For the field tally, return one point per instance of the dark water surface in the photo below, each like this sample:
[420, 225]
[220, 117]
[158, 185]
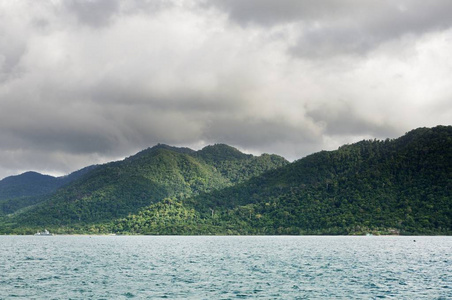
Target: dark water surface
[176, 267]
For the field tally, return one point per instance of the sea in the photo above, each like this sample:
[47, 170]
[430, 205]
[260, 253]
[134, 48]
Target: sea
[225, 267]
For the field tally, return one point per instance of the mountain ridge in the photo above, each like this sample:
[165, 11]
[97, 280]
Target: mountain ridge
[378, 185]
[28, 188]
[119, 188]
[392, 186]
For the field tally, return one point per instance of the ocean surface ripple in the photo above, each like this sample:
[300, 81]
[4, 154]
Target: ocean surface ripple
[218, 267]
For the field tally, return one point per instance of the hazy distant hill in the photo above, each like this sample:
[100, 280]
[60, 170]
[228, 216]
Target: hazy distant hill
[402, 185]
[26, 184]
[119, 188]
[29, 188]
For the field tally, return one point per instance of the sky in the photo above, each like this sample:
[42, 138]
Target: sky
[90, 81]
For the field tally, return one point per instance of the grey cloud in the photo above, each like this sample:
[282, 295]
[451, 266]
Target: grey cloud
[69, 140]
[47, 162]
[146, 6]
[10, 57]
[71, 134]
[271, 135]
[11, 52]
[181, 99]
[398, 16]
[100, 13]
[95, 13]
[270, 13]
[99, 80]
[341, 119]
[332, 27]
[370, 28]
[331, 42]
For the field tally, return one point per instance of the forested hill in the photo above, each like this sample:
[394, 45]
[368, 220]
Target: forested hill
[29, 188]
[120, 188]
[392, 186]
[398, 186]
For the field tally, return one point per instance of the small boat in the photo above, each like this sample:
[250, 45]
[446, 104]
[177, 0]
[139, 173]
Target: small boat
[43, 233]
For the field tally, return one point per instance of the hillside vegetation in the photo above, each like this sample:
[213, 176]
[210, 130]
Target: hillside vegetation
[27, 189]
[119, 188]
[399, 186]
[381, 187]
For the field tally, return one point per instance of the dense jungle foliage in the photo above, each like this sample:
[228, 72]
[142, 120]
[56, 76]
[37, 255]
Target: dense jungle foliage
[20, 191]
[400, 186]
[119, 188]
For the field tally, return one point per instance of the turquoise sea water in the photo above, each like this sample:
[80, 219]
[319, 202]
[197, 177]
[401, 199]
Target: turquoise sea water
[175, 267]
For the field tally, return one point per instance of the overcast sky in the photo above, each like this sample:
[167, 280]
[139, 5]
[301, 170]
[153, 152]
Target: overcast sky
[85, 82]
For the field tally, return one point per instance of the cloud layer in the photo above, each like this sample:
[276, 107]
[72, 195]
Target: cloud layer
[84, 82]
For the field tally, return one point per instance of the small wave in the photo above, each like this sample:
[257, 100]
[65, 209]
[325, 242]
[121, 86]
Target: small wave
[129, 295]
